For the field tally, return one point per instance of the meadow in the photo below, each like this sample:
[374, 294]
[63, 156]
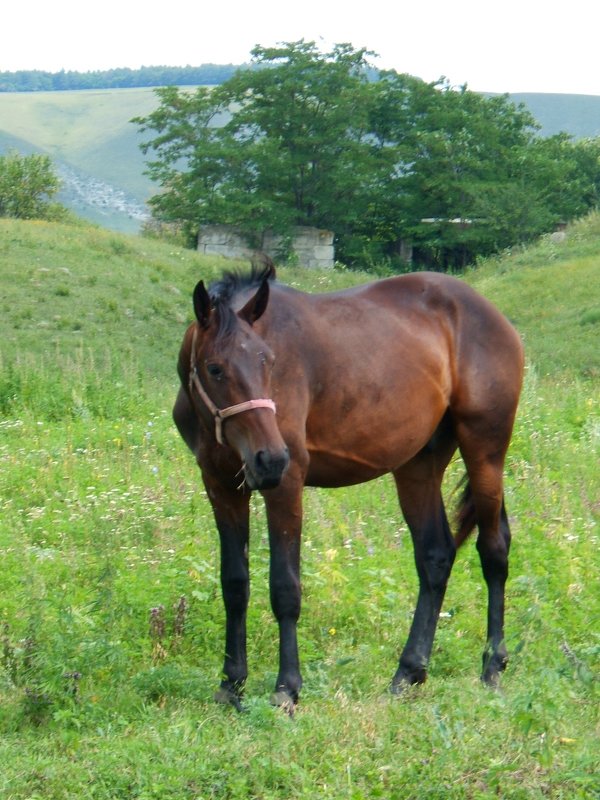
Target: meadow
[111, 620]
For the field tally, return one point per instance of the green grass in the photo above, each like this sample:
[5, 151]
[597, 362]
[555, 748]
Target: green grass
[106, 676]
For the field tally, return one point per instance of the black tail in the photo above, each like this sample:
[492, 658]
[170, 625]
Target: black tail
[466, 516]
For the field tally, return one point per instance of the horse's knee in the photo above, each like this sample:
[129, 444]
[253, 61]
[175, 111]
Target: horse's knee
[436, 565]
[236, 592]
[286, 598]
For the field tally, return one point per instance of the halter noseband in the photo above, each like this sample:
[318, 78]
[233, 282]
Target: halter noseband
[221, 414]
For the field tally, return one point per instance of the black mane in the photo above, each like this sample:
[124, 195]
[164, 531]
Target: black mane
[232, 282]
[222, 292]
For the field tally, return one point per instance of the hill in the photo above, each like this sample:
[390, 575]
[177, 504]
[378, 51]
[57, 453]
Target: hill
[575, 114]
[95, 277]
[96, 149]
[93, 144]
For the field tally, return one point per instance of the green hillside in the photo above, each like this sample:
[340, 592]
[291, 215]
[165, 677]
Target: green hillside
[89, 130]
[104, 528]
[92, 142]
[74, 281]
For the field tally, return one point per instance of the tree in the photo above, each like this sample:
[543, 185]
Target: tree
[451, 150]
[286, 143]
[27, 184]
[311, 138]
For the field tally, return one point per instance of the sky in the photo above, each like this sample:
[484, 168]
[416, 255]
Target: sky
[490, 45]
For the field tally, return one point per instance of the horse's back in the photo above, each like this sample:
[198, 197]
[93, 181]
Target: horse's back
[369, 372]
[408, 323]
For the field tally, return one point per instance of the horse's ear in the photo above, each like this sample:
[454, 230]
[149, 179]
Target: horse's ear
[255, 307]
[202, 307]
[263, 265]
[272, 272]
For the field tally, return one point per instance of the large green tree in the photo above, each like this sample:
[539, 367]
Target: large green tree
[449, 150]
[311, 138]
[282, 144]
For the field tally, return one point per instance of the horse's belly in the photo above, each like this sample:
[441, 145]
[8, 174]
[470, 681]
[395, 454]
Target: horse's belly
[330, 471]
[360, 461]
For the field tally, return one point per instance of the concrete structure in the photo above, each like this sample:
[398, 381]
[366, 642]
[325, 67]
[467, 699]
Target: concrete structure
[311, 247]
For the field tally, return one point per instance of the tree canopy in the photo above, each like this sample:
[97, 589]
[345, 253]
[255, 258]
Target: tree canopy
[312, 138]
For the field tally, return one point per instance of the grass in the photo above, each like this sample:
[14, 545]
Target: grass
[107, 675]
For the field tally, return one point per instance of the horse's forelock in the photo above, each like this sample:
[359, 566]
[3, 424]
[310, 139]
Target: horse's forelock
[223, 292]
[226, 317]
[232, 282]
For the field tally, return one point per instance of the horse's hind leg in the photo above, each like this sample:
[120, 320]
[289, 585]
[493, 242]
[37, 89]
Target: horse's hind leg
[484, 460]
[419, 492]
[494, 563]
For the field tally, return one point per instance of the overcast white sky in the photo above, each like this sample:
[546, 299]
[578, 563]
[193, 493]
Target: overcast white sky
[492, 45]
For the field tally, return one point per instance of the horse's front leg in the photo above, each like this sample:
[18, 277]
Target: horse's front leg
[231, 510]
[284, 515]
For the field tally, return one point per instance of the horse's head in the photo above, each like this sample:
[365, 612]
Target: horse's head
[230, 379]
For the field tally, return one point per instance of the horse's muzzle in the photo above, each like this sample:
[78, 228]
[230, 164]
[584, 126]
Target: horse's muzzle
[265, 470]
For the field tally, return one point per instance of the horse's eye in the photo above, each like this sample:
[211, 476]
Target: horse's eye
[265, 360]
[215, 371]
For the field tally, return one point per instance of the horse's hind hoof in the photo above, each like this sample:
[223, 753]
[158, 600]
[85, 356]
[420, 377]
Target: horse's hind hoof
[226, 697]
[403, 689]
[284, 701]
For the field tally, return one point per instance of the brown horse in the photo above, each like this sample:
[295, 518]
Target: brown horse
[282, 389]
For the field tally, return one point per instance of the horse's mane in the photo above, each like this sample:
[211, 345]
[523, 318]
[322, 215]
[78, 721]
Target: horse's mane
[223, 291]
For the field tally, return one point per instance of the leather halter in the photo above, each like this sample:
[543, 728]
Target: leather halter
[221, 414]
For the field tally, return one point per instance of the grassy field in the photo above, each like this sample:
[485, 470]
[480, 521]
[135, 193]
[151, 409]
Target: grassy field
[110, 611]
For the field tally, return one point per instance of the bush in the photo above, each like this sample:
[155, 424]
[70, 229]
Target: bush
[27, 184]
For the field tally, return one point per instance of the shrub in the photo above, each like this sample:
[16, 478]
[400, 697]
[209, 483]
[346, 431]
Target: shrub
[27, 184]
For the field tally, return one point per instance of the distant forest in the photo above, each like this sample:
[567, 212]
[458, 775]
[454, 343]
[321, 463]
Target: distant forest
[122, 78]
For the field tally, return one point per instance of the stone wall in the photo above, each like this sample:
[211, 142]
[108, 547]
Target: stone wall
[311, 246]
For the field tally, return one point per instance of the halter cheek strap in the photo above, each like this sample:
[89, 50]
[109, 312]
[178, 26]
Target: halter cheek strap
[221, 414]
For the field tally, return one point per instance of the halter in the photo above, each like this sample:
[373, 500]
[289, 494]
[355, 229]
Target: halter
[221, 414]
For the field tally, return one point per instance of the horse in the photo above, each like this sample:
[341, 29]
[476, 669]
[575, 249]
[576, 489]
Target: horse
[282, 389]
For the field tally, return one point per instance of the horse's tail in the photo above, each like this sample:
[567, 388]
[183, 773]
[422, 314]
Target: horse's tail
[466, 516]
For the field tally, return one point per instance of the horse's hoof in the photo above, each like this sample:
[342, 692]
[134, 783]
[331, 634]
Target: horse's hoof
[491, 680]
[402, 683]
[226, 697]
[284, 701]
[494, 665]
[401, 688]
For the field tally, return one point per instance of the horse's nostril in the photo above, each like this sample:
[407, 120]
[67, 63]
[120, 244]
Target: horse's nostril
[268, 463]
[263, 459]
